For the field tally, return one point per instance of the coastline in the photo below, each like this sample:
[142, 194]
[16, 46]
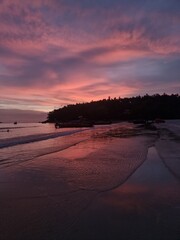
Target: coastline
[52, 196]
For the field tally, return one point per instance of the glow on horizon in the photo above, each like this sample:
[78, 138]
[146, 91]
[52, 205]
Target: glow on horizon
[54, 53]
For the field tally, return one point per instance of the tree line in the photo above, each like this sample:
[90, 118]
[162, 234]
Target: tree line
[118, 109]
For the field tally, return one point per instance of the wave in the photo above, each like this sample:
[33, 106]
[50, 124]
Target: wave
[35, 138]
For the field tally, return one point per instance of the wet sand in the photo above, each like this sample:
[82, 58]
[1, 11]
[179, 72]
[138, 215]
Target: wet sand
[146, 206]
[103, 187]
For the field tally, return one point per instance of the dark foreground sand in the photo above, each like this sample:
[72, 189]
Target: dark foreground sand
[110, 186]
[146, 206]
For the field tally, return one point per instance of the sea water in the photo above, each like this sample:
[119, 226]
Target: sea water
[26, 141]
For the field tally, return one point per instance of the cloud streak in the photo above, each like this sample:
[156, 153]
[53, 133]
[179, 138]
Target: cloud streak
[54, 53]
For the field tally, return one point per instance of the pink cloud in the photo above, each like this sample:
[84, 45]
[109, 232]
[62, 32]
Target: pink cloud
[67, 53]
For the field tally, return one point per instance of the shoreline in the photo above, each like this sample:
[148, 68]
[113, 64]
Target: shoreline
[48, 196]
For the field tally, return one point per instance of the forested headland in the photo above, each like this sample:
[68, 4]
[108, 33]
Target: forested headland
[118, 109]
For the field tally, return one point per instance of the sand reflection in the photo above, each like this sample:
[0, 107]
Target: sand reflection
[146, 206]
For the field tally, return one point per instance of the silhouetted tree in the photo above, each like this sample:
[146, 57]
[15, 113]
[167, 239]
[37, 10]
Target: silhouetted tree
[145, 107]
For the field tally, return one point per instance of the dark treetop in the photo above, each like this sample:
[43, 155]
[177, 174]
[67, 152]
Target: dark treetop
[117, 109]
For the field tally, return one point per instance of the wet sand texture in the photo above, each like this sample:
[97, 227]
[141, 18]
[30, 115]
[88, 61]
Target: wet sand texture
[42, 198]
[69, 194]
[146, 206]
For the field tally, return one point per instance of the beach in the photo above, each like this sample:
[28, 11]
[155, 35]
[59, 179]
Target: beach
[144, 207]
[117, 181]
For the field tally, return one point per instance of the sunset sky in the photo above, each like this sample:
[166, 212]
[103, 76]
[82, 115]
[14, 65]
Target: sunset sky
[58, 52]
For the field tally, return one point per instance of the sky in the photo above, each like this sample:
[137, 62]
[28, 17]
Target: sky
[59, 52]
[19, 116]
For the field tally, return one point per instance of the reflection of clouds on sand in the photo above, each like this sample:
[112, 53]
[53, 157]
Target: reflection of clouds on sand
[88, 165]
[93, 169]
[44, 197]
[151, 182]
[146, 206]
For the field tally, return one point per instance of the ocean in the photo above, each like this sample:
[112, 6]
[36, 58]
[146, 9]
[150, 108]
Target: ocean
[25, 141]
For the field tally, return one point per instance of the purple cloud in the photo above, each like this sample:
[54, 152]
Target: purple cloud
[71, 51]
